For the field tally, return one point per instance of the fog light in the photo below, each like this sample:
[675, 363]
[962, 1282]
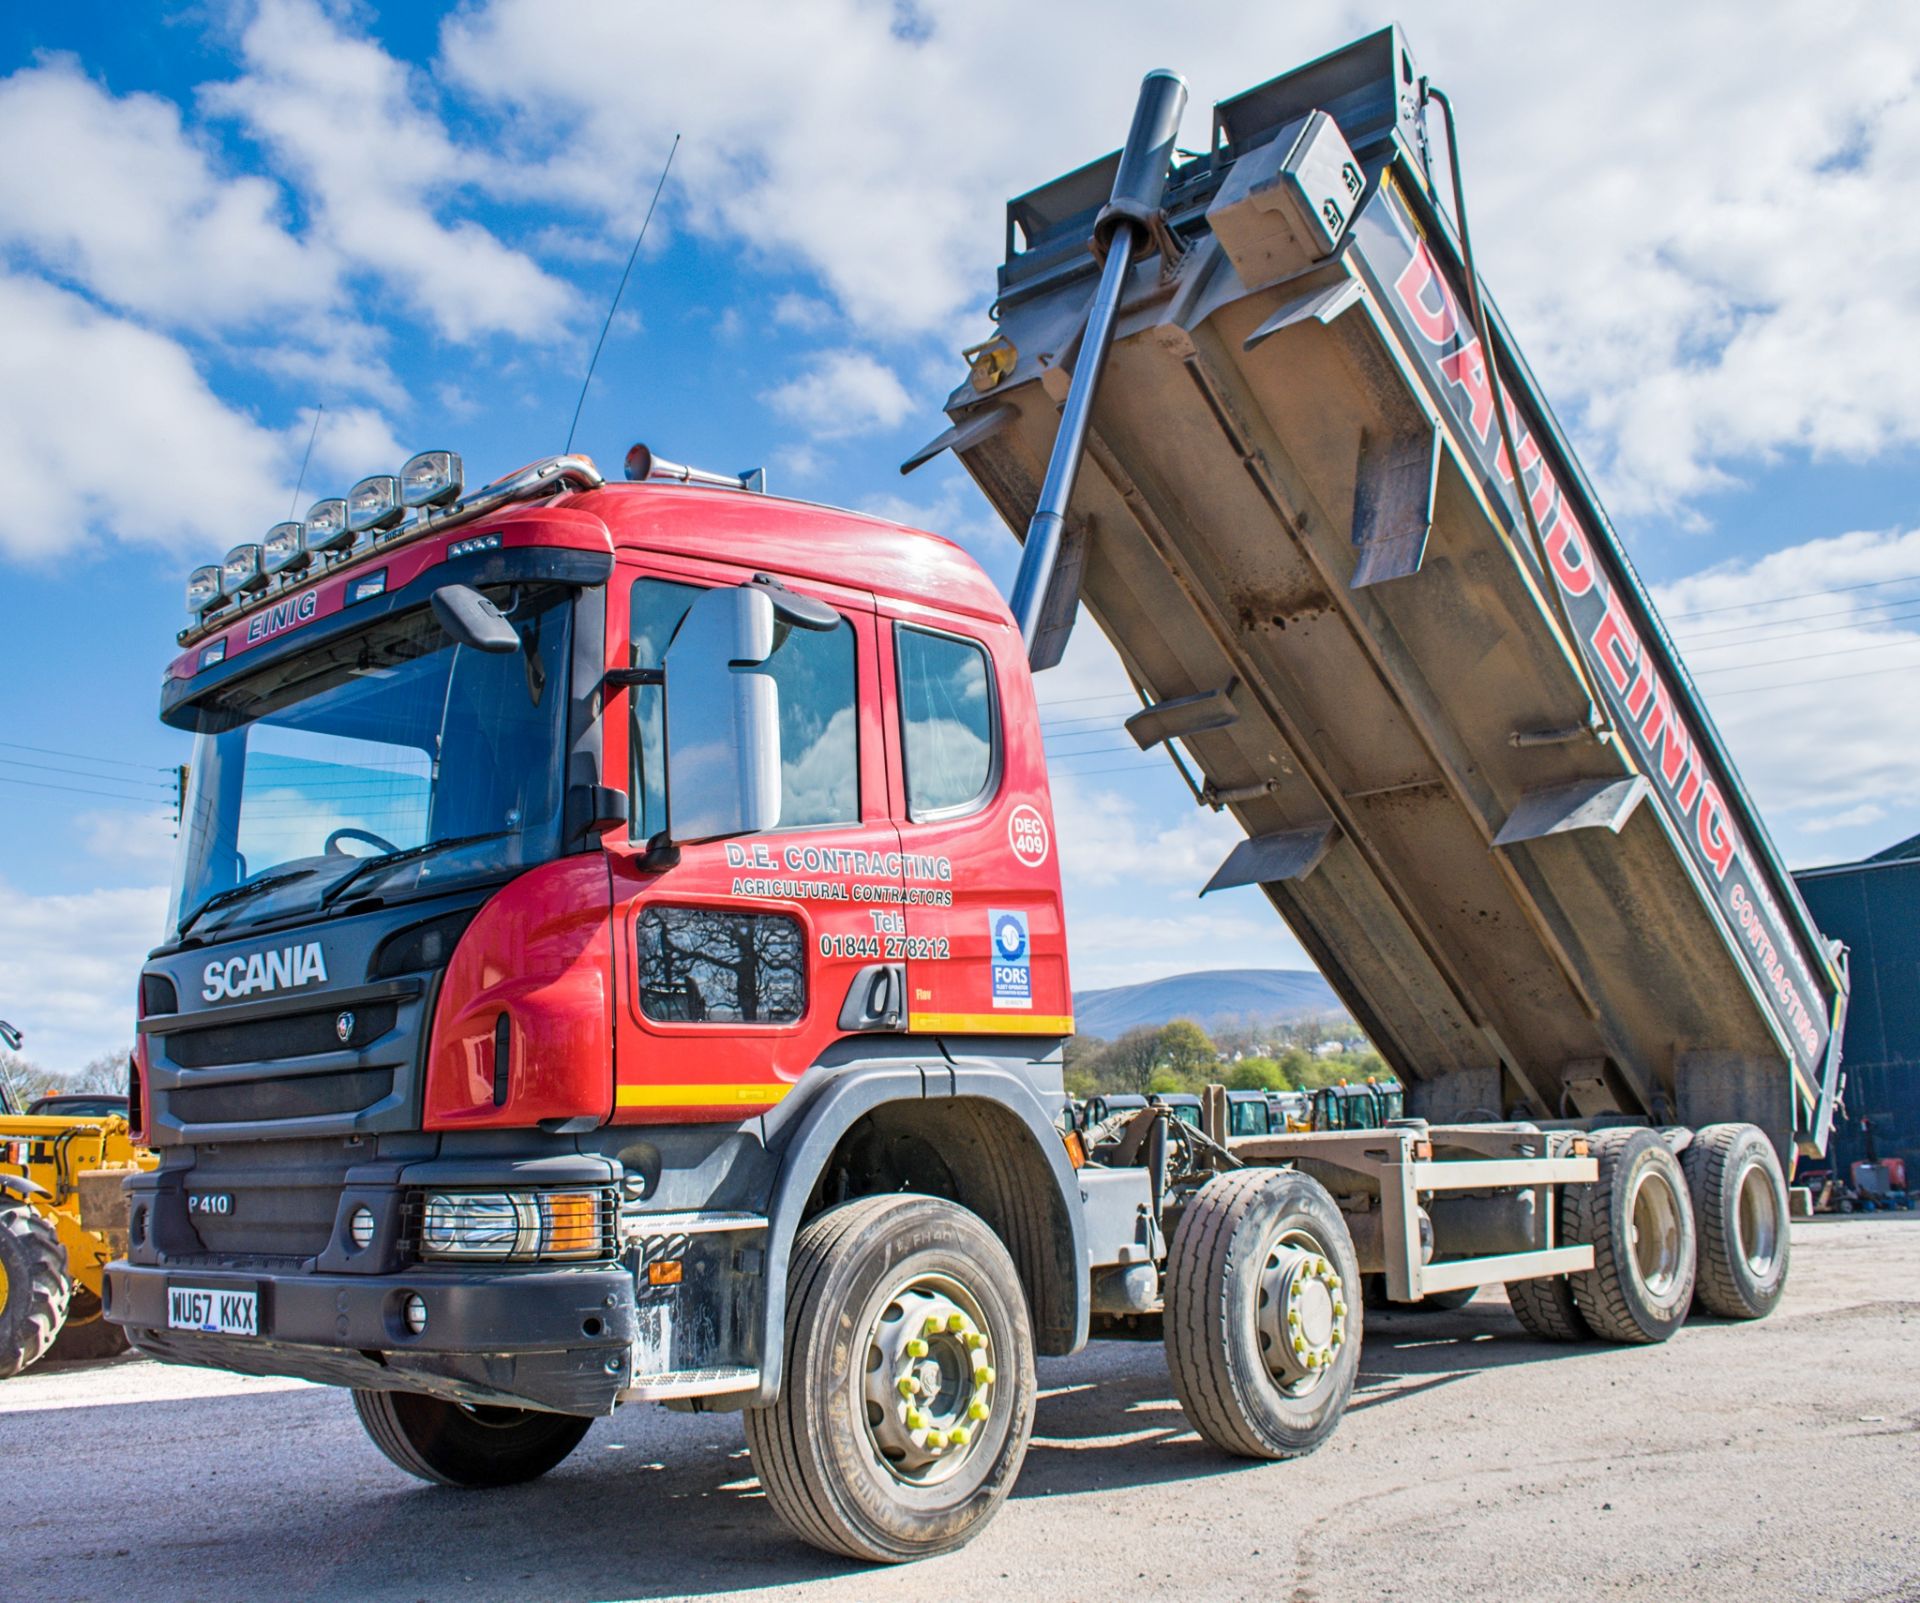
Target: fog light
[360, 1227]
[415, 1313]
[285, 548]
[432, 478]
[327, 526]
[241, 571]
[374, 503]
[203, 589]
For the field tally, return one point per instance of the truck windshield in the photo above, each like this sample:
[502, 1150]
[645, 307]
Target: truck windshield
[393, 740]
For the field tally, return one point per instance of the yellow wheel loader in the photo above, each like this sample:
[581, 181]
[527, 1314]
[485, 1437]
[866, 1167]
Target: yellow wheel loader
[63, 1218]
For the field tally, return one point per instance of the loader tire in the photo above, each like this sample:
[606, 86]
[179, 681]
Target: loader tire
[1740, 1214]
[87, 1335]
[1546, 1309]
[1638, 1218]
[906, 1324]
[454, 1444]
[34, 1288]
[1263, 1317]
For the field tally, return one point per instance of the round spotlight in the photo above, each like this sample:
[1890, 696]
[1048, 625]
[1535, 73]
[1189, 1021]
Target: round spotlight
[374, 503]
[360, 1227]
[414, 1311]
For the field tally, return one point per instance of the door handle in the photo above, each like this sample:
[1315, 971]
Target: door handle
[876, 998]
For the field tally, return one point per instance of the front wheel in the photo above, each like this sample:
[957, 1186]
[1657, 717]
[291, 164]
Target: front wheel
[908, 1393]
[457, 1444]
[1263, 1313]
[34, 1289]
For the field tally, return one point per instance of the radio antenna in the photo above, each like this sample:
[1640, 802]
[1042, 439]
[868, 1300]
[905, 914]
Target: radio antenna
[312, 435]
[632, 256]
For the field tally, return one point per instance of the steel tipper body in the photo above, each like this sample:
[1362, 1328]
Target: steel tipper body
[1474, 775]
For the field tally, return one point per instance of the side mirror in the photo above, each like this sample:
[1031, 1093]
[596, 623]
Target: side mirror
[473, 620]
[723, 718]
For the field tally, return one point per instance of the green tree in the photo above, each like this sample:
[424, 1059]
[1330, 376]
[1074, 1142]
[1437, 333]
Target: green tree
[1164, 1079]
[1128, 1062]
[1258, 1074]
[1184, 1047]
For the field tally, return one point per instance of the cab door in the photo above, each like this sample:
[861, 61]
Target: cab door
[742, 961]
[986, 932]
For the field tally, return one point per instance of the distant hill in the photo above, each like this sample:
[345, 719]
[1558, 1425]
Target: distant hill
[1214, 999]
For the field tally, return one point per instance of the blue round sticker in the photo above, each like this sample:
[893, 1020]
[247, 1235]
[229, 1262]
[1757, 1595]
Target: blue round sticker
[1009, 938]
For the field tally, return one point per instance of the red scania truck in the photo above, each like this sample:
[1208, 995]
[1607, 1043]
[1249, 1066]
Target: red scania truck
[618, 952]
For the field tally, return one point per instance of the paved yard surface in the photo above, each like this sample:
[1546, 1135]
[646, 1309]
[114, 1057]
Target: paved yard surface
[1764, 1462]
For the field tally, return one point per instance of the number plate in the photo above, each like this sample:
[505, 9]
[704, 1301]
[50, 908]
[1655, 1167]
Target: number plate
[213, 1313]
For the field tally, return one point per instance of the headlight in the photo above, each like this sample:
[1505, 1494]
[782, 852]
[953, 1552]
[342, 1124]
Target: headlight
[285, 548]
[516, 1225]
[327, 526]
[203, 589]
[432, 478]
[241, 571]
[374, 503]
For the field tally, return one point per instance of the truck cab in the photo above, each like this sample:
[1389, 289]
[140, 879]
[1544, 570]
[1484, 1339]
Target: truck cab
[568, 893]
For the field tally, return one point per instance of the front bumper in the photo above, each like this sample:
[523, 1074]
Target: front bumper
[560, 1339]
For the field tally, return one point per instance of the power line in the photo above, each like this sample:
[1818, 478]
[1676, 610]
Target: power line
[1795, 684]
[1812, 656]
[81, 756]
[75, 790]
[82, 773]
[1861, 611]
[1801, 634]
[1804, 595]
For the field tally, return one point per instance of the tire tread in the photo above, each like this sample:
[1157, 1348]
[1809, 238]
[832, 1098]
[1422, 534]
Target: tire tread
[33, 1239]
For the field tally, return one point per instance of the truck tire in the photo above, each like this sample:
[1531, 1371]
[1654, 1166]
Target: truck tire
[1638, 1219]
[1263, 1317]
[1740, 1211]
[909, 1386]
[34, 1289]
[454, 1444]
[1546, 1309]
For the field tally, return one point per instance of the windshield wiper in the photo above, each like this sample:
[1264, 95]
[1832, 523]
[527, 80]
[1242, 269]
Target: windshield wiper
[368, 865]
[237, 893]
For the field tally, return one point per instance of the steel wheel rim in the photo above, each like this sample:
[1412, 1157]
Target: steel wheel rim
[925, 1390]
[1756, 1221]
[1654, 1232]
[1300, 1317]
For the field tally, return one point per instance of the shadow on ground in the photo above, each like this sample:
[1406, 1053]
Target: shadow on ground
[279, 1495]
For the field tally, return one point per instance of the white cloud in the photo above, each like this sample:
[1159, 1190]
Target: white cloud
[378, 167]
[1805, 657]
[803, 312]
[352, 442]
[1711, 251]
[843, 393]
[113, 193]
[128, 837]
[111, 431]
[70, 965]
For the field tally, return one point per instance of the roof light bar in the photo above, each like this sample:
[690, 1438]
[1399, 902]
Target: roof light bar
[327, 526]
[241, 571]
[203, 588]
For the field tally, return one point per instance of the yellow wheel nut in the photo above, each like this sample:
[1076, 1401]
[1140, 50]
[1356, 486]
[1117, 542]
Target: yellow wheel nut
[934, 1325]
[916, 1420]
[907, 1385]
[1339, 1309]
[976, 1410]
[936, 1439]
[975, 1341]
[984, 1374]
[916, 1348]
[1293, 1316]
[959, 1435]
[1299, 1344]
[956, 1323]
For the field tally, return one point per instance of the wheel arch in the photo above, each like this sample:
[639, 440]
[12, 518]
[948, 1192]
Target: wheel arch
[978, 1135]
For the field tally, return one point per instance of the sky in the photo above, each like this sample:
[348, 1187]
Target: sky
[219, 222]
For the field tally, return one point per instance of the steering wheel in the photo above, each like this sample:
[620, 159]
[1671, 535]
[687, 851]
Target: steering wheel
[378, 842]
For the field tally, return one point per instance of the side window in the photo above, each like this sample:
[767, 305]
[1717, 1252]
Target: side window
[948, 718]
[713, 965]
[819, 717]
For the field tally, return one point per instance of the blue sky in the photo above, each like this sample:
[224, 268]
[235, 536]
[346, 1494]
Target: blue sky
[215, 219]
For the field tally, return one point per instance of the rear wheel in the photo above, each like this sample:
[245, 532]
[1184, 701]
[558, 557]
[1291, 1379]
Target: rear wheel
[460, 1444]
[1639, 1221]
[1546, 1309]
[1740, 1211]
[1263, 1315]
[34, 1289]
[908, 1393]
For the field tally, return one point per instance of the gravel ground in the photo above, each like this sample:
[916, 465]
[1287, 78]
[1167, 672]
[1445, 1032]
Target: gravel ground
[1772, 1461]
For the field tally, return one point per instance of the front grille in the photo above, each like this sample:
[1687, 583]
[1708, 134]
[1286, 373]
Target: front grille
[302, 1097]
[281, 1196]
[298, 1035]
